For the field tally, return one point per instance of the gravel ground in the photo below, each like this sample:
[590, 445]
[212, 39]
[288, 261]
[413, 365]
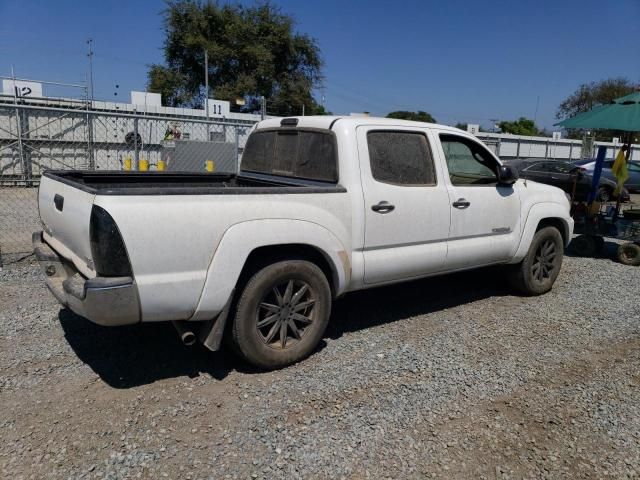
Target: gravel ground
[452, 377]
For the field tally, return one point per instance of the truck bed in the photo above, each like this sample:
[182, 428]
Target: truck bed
[186, 183]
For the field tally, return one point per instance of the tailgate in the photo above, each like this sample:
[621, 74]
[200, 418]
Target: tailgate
[65, 211]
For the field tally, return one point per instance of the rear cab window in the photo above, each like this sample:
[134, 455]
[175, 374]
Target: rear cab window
[304, 153]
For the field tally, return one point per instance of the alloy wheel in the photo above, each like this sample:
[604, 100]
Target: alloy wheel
[544, 261]
[285, 314]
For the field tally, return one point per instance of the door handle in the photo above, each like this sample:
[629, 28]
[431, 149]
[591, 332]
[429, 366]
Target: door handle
[461, 203]
[383, 207]
[58, 201]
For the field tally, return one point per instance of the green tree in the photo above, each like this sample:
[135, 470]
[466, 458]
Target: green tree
[522, 126]
[589, 95]
[418, 116]
[253, 51]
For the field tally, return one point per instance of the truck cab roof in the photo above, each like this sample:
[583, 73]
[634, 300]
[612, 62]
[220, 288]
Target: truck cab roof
[327, 122]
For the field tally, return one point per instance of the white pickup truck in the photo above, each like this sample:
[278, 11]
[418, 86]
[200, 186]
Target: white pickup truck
[320, 207]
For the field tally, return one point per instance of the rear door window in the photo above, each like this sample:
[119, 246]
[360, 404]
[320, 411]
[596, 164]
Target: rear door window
[292, 152]
[560, 167]
[401, 157]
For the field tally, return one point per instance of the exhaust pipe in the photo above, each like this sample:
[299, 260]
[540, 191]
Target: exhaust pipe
[186, 334]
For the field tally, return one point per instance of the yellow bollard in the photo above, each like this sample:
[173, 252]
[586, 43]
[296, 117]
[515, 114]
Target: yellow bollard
[210, 166]
[161, 166]
[127, 163]
[143, 165]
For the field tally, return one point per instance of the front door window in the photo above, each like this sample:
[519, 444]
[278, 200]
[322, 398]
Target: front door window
[468, 162]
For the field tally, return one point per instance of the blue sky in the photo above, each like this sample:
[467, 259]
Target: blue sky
[467, 61]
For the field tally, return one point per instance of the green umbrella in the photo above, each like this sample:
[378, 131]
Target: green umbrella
[621, 114]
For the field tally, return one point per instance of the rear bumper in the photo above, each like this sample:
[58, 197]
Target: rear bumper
[108, 301]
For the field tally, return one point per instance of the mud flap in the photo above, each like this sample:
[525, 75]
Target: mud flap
[210, 335]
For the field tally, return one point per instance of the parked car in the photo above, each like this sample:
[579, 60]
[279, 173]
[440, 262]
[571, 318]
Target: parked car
[632, 184]
[563, 174]
[321, 206]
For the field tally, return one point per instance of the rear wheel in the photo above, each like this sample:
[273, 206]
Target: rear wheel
[629, 254]
[604, 194]
[281, 314]
[539, 269]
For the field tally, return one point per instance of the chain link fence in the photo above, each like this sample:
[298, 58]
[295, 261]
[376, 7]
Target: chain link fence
[35, 138]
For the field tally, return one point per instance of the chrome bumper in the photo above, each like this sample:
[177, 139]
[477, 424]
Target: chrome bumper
[108, 301]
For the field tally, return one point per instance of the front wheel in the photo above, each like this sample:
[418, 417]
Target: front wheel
[539, 269]
[281, 314]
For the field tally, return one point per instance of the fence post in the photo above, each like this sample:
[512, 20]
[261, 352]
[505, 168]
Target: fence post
[92, 162]
[136, 151]
[237, 149]
[25, 158]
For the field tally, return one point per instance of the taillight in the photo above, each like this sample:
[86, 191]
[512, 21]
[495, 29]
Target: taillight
[107, 248]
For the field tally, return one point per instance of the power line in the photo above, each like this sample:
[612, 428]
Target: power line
[378, 105]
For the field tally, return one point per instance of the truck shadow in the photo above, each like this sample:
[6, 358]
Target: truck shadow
[130, 356]
[134, 355]
[383, 305]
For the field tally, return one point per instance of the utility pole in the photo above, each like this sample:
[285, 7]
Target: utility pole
[206, 81]
[92, 165]
[90, 55]
[206, 89]
[303, 109]
[263, 109]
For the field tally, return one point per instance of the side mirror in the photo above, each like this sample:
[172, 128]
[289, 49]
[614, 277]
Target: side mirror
[507, 175]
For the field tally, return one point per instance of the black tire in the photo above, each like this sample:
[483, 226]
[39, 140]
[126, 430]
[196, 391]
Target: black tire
[584, 245]
[604, 194]
[539, 269]
[599, 244]
[629, 254]
[292, 301]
